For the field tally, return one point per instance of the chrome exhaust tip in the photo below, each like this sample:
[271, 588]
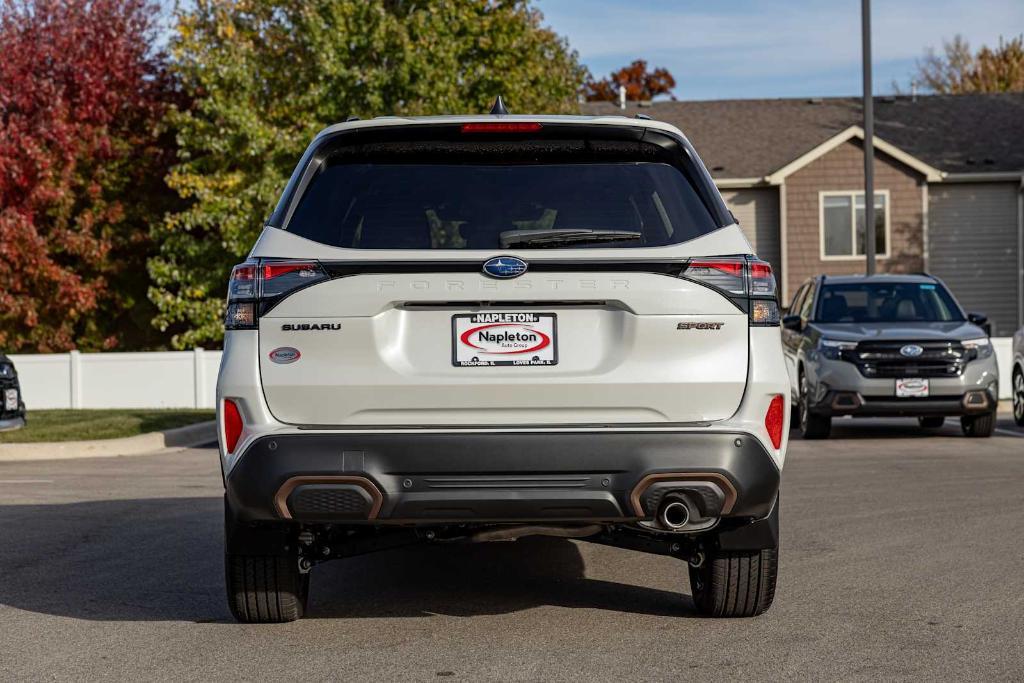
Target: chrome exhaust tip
[674, 514]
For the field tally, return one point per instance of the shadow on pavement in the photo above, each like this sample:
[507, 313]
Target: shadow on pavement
[161, 559]
[905, 428]
[491, 578]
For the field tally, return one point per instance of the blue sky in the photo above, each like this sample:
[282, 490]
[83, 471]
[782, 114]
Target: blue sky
[796, 48]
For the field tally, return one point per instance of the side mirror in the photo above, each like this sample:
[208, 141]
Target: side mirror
[981, 320]
[792, 322]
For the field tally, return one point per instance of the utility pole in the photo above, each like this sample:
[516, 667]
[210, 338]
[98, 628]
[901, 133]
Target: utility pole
[869, 140]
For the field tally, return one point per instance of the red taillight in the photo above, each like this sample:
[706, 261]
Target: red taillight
[502, 127]
[254, 287]
[232, 427]
[747, 281]
[272, 270]
[775, 419]
[733, 268]
[725, 273]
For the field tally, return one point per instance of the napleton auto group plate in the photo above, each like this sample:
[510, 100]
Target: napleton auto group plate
[912, 387]
[488, 339]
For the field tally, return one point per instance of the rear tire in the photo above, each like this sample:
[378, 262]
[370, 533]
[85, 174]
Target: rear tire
[931, 422]
[980, 426]
[735, 584]
[811, 426]
[265, 590]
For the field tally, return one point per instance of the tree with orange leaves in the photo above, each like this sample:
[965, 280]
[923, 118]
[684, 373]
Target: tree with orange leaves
[640, 84]
[81, 167]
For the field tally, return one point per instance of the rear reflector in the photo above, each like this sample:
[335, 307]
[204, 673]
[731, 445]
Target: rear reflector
[232, 419]
[502, 127]
[774, 419]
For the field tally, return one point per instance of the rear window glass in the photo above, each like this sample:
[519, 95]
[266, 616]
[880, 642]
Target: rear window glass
[489, 206]
[887, 303]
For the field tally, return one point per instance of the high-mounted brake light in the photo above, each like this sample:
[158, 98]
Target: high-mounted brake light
[255, 287]
[502, 127]
[748, 282]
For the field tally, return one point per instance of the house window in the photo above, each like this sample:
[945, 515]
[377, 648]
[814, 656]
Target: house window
[842, 224]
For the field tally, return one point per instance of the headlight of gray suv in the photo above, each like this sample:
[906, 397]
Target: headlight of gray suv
[978, 348]
[833, 348]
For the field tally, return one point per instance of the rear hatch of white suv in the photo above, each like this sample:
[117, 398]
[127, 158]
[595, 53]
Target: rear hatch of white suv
[501, 274]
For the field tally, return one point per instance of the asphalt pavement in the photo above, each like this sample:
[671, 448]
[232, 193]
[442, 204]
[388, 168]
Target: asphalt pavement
[901, 559]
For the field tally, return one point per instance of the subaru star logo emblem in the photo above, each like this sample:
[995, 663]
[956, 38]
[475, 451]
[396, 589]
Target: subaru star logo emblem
[505, 267]
[911, 350]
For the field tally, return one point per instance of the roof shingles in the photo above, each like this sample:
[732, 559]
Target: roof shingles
[753, 138]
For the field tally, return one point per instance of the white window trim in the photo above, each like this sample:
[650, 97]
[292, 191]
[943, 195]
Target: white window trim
[853, 204]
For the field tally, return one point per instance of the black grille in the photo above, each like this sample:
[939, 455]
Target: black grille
[886, 360]
[329, 501]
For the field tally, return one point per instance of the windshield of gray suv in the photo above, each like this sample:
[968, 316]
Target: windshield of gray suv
[490, 206]
[886, 303]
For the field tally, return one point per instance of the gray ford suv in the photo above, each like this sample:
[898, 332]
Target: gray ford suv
[888, 345]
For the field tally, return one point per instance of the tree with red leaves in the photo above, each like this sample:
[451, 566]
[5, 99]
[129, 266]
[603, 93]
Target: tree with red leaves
[640, 84]
[82, 159]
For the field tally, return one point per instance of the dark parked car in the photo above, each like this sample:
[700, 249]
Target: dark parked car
[12, 407]
[888, 345]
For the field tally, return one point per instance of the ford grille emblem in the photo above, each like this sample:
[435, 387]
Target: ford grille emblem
[911, 351]
[505, 267]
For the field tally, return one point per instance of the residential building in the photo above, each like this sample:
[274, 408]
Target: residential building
[949, 177]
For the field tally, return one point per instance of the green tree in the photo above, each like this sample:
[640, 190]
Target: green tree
[264, 76]
[960, 70]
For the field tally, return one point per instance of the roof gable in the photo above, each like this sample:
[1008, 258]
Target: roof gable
[853, 132]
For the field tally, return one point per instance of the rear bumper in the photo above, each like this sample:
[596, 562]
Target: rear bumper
[430, 478]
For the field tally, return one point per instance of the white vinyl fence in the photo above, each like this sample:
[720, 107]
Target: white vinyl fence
[154, 379]
[180, 379]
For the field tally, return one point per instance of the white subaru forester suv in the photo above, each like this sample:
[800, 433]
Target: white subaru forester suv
[478, 328]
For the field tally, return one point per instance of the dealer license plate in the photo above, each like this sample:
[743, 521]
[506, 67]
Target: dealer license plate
[504, 339]
[913, 387]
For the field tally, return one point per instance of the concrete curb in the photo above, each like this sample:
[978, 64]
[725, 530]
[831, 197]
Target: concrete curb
[141, 444]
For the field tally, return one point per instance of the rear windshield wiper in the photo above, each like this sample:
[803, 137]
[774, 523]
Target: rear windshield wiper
[511, 238]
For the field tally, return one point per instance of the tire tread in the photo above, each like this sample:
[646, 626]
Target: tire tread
[735, 584]
[265, 589]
